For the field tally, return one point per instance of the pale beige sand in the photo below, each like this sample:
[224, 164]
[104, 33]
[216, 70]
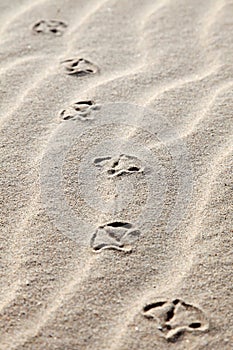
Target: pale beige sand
[175, 58]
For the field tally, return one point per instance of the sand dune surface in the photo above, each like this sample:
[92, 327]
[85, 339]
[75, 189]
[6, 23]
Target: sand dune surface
[116, 174]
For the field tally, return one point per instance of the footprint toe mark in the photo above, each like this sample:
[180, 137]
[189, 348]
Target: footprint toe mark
[153, 305]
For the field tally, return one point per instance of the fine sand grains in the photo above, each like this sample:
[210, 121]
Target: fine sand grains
[116, 174]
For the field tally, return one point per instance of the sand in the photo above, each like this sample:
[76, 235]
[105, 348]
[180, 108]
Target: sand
[116, 174]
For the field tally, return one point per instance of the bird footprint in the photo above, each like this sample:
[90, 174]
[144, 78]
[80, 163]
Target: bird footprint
[81, 110]
[118, 166]
[79, 67]
[176, 317]
[49, 27]
[114, 235]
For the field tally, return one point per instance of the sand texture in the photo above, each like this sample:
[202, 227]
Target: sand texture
[116, 174]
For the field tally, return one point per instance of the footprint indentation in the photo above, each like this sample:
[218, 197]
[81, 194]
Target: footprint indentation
[118, 166]
[174, 318]
[116, 235]
[79, 67]
[81, 110]
[49, 27]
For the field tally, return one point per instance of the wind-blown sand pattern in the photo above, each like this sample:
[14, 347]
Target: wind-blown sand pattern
[116, 174]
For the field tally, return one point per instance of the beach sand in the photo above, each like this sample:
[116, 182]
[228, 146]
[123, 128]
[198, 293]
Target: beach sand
[116, 174]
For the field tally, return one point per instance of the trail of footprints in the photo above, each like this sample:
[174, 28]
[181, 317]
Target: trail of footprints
[172, 318]
[116, 235]
[175, 318]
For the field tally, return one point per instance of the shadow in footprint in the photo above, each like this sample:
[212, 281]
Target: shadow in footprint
[81, 110]
[114, 235]
[79, 67]
[49, 27]
[118, 166]
[175, 318]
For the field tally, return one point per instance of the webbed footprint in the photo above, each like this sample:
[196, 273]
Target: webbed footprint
[118, 166]
[81, 110]
[175, 318]
[114, 235]
[49, 27]
[79, 67]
